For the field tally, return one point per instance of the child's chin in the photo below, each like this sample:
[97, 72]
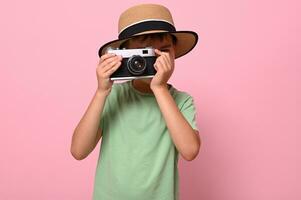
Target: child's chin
[146, 80]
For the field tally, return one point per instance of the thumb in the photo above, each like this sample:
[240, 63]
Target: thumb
[155, 66]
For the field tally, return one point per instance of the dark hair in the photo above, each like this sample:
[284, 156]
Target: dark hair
[159, 36]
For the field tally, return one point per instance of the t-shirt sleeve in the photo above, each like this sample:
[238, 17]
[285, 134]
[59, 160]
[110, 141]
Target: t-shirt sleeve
[189, 112]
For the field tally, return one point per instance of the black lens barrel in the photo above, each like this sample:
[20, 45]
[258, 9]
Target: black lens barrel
[136, 65]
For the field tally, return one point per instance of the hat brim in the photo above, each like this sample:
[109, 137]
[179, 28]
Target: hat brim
[186, 41]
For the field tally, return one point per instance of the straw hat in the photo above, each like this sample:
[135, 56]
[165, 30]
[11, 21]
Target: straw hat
[147, 19]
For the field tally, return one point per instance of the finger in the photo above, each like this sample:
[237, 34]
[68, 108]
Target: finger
[157, 51]
[169, 59]
[159, 66]
[105, 56]
[158, 69]
[103, 59]
[163, 54]
[166, 57]
[109, 72]
[162, 62]
[106, 63]
[167, 64]
[155, 66]
[110, 65]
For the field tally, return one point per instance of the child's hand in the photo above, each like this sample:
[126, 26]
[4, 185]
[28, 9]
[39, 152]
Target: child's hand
[165, 67]
[108, 64]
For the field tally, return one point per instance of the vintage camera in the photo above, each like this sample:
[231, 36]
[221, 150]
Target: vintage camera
[135, 64]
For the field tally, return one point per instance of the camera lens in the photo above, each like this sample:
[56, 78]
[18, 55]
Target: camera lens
[136, 65]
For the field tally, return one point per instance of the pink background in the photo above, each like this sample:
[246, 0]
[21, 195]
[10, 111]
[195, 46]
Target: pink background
[244, 75]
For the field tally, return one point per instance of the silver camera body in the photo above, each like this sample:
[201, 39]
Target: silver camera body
[135, 64]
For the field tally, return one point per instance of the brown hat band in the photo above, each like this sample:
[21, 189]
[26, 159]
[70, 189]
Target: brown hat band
[146, 26]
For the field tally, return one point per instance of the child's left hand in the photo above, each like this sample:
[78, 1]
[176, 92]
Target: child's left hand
[165, 66]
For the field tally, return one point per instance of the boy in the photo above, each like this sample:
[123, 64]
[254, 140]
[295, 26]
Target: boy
[144, 123]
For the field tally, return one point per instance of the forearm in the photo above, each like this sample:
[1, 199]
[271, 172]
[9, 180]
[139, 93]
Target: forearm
[183, 135]
[84, 136]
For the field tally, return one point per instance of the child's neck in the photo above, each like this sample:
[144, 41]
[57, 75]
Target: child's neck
[142, 86]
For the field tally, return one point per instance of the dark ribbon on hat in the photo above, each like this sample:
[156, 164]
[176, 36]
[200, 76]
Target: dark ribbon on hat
[146, 26]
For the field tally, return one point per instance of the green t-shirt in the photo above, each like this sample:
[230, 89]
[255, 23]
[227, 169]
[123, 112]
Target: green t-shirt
[138, 159]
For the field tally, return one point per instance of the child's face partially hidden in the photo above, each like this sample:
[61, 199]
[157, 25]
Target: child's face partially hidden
[165, 45]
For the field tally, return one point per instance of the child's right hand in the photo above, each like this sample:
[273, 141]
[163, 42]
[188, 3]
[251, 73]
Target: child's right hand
[108, 64]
